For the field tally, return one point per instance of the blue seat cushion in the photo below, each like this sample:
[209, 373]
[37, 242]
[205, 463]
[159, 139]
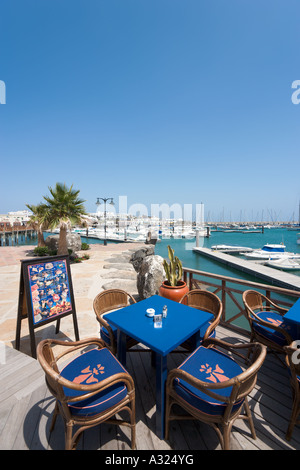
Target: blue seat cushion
[189, 342]
[211, 366]
[90, 368]
[104, 334]
[269, 333]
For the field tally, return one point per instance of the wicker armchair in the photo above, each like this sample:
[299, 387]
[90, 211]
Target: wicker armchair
[209, 302]
[90, 389]
[213, 388]
[105, 302]
[293, 362]
[266, 322]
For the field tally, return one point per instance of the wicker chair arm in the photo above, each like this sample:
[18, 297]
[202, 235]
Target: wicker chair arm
[213, 324]
[92, 389]
[69, 347]
[267, 324]
[280, 310]
[208, 387]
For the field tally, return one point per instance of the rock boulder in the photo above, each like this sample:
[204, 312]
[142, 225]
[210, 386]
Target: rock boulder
[150, 276]
[73, 241]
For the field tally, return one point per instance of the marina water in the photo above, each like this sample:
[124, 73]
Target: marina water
[190, 259]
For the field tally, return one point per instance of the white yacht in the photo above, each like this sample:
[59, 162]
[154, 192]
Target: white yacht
[270, 251]
[285, 263]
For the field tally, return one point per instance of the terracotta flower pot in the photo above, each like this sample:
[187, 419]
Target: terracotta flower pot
[173, 292]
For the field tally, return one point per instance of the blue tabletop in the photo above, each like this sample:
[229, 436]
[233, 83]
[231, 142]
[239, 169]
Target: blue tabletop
[181, 323]
[293, 314]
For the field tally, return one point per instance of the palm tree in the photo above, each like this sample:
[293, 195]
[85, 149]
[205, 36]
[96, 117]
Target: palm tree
[40, 220]
[65, 209]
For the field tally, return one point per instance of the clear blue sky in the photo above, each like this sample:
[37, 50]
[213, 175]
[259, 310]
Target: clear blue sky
[162, 101]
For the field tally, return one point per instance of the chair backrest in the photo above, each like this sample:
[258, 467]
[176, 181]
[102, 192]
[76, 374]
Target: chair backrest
[206, 301]
[242, 384]
[111, 299]
[293, 362]
[253, 301]
[49, 365]
[203, 300]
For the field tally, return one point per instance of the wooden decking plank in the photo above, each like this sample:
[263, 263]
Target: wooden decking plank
[144, 379]
[143, 435]
[13, 424]
[25, 438]
[25, 422]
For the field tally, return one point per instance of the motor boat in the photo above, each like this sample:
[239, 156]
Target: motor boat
[270, 251]
[285, 263]
[231, 248]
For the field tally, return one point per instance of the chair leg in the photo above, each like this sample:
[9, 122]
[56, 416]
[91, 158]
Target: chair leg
[69, 443]
[55, 413]
[167, 417]
[293, 420]
[226, 435]
[133, 426]
[250, 419]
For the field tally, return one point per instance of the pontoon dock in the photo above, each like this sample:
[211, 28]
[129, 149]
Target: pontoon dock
[278, 278]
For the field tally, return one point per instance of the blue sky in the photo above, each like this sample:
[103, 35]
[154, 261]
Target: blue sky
[162, 101]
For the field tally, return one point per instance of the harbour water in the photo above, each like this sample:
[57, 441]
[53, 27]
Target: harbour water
[190, 259]
[184, 247]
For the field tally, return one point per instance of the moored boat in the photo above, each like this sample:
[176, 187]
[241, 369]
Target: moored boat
[231, 248]
[285, 263]
[268, 251]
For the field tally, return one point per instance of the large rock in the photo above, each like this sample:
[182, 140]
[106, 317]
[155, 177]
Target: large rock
[150, 276]
[73, 241]
[138, 256]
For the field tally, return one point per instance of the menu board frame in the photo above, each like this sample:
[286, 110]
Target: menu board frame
[45, 295]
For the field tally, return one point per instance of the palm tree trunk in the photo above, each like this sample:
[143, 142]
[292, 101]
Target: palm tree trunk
[62, 242]
[41, 241]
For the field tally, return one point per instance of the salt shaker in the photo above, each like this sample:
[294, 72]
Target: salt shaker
[165, 311]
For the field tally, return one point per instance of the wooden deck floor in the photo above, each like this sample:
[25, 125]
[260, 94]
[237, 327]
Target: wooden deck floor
[26, 407]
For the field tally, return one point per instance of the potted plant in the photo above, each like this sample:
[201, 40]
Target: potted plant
[173, 287]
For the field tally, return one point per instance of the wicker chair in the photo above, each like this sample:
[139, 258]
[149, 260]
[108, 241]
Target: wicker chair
[209, 302]
[213, 388]
[90, 389]
[105, 302]
[266, 322]
[293, 362]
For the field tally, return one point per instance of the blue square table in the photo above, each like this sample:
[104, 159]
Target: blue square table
[181, 323]
[292, 319]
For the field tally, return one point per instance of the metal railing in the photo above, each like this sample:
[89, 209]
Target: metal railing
[230, 292]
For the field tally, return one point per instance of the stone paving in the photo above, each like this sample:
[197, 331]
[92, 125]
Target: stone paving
[108, 267]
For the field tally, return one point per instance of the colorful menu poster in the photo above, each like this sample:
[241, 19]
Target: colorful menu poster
[49, 289]
[45, 295]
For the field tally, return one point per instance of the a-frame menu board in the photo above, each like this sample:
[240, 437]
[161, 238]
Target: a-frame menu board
[45, 295]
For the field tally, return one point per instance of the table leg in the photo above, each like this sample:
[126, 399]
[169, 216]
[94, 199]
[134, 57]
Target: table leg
[161, 377]
[121, 343]
[195, 340]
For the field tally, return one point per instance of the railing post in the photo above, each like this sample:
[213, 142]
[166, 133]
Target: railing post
[191, 281]
[268, 295]
[224, 300]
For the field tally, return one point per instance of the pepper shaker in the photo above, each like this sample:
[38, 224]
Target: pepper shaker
[165, 311]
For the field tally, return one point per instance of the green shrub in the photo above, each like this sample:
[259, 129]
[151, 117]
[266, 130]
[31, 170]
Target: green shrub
[85, 246]
[41, 251]
[44, 251]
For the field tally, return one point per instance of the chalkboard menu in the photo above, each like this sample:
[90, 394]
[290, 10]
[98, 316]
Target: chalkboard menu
[45, 295]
